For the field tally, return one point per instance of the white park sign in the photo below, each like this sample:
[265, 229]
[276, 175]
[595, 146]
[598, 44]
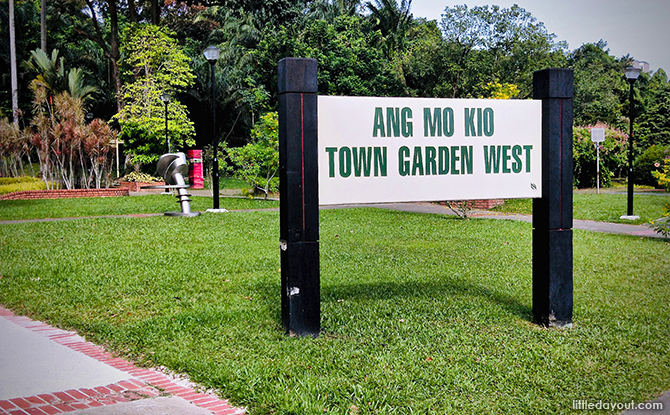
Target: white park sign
[374, 150]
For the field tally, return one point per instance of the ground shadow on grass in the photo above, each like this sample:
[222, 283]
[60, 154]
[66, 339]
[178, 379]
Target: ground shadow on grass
[452, 295]
[448, 291]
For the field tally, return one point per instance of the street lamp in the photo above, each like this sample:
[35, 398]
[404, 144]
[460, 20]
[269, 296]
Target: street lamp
[631, 75]
[212, 55]
[165, 97]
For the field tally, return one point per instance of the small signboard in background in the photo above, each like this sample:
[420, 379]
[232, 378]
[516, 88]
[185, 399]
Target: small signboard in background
[597, 136]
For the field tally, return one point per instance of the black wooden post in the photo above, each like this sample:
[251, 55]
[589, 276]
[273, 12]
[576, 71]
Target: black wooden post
[552, 214]
[299, 197]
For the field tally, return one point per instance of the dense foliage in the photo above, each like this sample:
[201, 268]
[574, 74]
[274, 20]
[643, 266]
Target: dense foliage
[613, 159]
[257, 162]
[127, 53]
[156, 65]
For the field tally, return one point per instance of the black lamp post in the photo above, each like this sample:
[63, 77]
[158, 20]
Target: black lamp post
[631, 75]
[212, 55]
[165, 97]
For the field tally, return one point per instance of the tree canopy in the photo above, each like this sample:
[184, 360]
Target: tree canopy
[155, 65]
[131, 51]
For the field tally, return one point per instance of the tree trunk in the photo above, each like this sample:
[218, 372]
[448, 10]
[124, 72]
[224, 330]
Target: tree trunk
[115, 54]
[155, 12]
[43, 25]
[132, 11]
[12, 54]
[111, 50]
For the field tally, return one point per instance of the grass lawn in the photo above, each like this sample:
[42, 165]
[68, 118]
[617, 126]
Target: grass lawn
[603, 207]
[420, 313]
[156, 203]
[226, 183]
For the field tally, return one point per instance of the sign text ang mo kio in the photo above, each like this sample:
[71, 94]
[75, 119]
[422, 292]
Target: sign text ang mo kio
[374, 150]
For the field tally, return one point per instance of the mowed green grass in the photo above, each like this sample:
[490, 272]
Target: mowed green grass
[420, 313]
[602, 207]
[127, 205]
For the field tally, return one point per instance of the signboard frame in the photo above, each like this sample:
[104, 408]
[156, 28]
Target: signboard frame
[299, 201]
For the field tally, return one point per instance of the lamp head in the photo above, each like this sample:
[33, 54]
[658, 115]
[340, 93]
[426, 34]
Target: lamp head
[632, 73]
[211, 54]
[165, 97]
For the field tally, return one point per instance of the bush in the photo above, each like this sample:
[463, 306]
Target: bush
[662, 225]
[649, 162]
[18, 184]
[140, 177]
[13, 180]
[613, 157]
[257, 163]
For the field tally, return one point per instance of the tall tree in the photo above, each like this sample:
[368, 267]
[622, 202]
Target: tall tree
[240, 98]
[600, 88]
[328, 10]
[99, 22]
[43, 25]
[155, 12]
[426, 62]
[12, 52]
[393, 19]
[348, 51]
[654, 123]
[489, 44]
[51, 74]
[156, 64]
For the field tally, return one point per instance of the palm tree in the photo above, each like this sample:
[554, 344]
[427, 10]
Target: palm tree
[77, 87]
[50, 70]
[328, 10]
[52, 76]
[393, 20]
[236, 91]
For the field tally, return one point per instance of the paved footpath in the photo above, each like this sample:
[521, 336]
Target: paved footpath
[587, 225]
[45, 370]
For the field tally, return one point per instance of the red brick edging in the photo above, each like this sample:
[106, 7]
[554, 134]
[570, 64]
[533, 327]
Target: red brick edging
[480, 203]
[146, 383]
[64, 193]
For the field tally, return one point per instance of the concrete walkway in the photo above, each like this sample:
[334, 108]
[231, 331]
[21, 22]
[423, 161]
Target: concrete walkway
[587, 225]
[45, 370]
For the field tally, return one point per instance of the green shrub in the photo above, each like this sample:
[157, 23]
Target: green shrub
[612, 156]
[140, 177]
[662, 225]
[257, 163]
[648, 162]
[17, 184]
[21, 179]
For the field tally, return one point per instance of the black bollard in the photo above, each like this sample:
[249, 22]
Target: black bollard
[299, 197]
[552, 213]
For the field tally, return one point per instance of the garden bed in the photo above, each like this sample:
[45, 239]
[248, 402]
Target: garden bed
[137, 186]
[480, 203]
[65, 193]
